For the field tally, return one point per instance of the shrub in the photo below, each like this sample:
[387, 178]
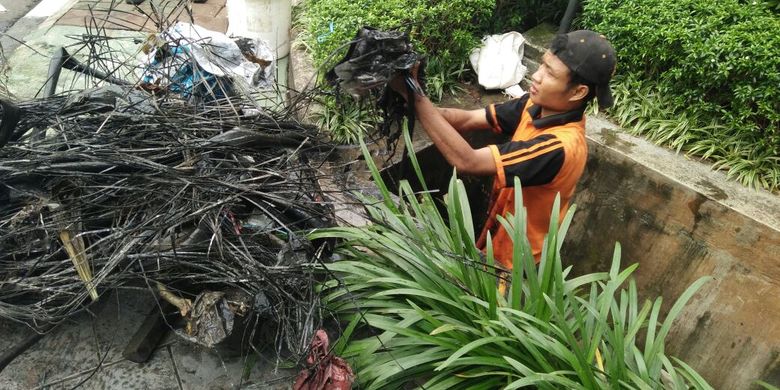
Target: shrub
[714, 60]
[431, 315]
[445, 29]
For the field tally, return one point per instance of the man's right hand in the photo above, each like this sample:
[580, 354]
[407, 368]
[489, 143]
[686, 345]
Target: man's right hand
[403, 83]
[398, 85]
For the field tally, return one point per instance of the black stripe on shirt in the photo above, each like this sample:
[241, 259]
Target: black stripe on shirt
[508, 114]
[539, 170]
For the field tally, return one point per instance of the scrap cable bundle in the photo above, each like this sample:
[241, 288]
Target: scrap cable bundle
[100, 198]
[180, 182]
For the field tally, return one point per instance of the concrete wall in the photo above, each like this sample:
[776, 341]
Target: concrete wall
[681, 221]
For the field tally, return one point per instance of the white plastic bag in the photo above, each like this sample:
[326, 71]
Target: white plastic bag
[498, 61]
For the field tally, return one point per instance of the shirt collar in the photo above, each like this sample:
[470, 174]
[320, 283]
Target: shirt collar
[554, 120]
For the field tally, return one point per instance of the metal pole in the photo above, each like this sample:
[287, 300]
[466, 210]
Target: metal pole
[567, 17]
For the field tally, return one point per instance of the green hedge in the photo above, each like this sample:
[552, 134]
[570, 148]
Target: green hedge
[446, 29]
[712, 60]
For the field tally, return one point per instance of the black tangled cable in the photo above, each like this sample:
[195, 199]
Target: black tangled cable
[142, 186]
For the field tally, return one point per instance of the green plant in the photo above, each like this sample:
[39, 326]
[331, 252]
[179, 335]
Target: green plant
[767, 385]
[345, 119]
[431, 296]
[715, 66]
[440, 80]
[639, 107]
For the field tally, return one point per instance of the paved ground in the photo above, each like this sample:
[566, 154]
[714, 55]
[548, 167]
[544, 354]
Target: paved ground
[116, 14]
[86, 353]
[13, 10]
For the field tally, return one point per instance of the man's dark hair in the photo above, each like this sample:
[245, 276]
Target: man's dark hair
[575, 80]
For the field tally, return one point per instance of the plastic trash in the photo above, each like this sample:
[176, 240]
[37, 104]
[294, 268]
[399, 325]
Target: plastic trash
[215, 315]
[373, 59]
[195, 62]
[325, 371]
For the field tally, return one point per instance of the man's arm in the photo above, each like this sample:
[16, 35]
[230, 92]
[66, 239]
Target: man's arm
[448, 140]
[464, 121]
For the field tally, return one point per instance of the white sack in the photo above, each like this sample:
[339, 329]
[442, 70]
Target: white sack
[498, 61]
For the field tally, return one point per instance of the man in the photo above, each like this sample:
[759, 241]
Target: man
[547, 150]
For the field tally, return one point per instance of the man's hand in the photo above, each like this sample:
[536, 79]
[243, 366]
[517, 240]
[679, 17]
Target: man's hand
[403, 83]
[398, 85]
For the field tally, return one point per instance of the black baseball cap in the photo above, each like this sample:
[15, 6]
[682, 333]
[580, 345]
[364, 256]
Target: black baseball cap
[590, 56]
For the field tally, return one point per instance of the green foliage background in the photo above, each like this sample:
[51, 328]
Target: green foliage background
[715, 65]
[446, 29]
[700, 76]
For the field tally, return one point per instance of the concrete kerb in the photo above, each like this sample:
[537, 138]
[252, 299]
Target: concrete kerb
[42, 16]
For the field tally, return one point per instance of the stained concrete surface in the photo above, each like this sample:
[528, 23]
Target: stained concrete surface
[86, 352]
[681, 221]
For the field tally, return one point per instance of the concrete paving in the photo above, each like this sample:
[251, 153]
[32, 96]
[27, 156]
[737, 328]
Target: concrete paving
[86, 352]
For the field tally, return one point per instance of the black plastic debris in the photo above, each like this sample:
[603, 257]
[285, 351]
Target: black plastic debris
[373, 59]
[9, 117]
[107, 98]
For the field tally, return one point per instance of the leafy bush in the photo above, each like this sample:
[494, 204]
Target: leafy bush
[710, 60]
[432, 299]
[445, 29]
[345, 119]
[641, 108]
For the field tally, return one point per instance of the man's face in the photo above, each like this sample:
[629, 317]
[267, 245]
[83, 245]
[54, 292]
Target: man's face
[550, 84]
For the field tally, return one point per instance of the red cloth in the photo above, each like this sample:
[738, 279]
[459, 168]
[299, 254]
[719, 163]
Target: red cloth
[325, 371]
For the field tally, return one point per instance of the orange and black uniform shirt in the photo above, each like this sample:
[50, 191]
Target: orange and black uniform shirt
[547, 154]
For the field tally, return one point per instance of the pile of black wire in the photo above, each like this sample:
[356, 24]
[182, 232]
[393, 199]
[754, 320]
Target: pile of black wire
[141, 191]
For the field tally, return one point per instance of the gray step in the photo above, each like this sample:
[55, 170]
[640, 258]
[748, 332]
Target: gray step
[537, 40]
[531, 64]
